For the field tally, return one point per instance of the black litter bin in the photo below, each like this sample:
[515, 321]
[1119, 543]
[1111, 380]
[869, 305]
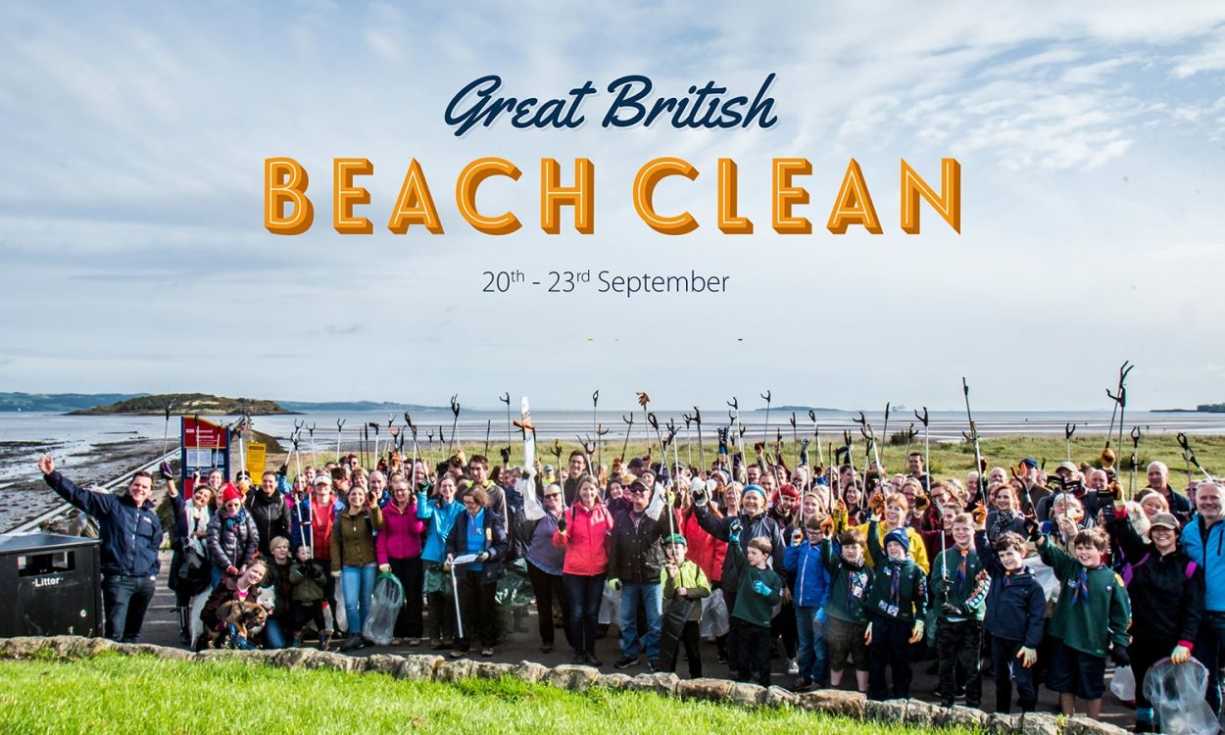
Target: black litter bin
[50, 584]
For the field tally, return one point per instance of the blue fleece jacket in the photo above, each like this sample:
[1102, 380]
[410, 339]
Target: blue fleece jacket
[806, 571]
[1206, 547]
[439, 522]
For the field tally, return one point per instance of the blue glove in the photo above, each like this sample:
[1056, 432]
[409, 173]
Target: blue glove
[762, 588]
[821, 615]
[733, 530]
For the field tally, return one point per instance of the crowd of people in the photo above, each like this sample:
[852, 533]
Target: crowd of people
[1032, 580]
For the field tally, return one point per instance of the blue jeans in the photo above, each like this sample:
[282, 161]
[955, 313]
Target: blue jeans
[273, 637]
[649, 596]
[1208, 651]
[584, 595]
[358, 586]
[814, 660]
[125, 600]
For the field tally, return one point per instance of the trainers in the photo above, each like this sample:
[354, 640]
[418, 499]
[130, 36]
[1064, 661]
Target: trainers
[414, 642]
[652, 667]
[802, 685]
[593, 661]
[352, 643]
[487, 652]
[625, 662]
[436, 644]
[793, 668]
[458, 653]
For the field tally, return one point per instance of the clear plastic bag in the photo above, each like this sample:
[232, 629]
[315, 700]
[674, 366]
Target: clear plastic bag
[1177, 695]
[385, 606]
[714, 622]
[1123, 685]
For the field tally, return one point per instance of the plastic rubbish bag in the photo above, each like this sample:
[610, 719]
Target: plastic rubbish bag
[1177, 694]
[514, 589]
[385, 605]
[1123, 685]
[714, 621]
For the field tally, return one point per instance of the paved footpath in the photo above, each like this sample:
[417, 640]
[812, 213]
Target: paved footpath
[161, 627]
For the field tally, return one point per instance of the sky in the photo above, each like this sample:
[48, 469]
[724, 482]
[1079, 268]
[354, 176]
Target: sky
[1091, 141]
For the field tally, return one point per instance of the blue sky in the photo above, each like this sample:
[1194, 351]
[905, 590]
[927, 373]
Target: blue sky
[1091, 142]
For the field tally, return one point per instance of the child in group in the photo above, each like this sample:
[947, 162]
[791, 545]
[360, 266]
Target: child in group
[308, 583]
[846, 616]
[810, 590]
[957, 605]
[684, 587]
[897, 604]
[1016, 606]
[760, 588]
[1091, 620]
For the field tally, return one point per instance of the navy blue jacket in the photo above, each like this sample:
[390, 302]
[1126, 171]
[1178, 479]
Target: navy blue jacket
[130, 536]
[1015, 603]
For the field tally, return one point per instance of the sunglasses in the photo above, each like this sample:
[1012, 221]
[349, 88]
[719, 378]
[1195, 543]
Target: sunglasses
[552, 495]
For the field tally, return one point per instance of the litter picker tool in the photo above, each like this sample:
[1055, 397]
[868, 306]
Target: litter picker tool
[765, 434]
[555, 450]
[1189, 455]
[1068, 431]
[978, 454]
[595, 420]
[816, 436]
[869, 435]
[927, 458]
[588, 449]
[795, 437]
[1135, 459]
[884, 432]
[166, 429]
[488, 428]
[1120, 400]
[629, 426]
[600, 431]
[643, 400]
[505, 398]
[454, 422]
[697, 419]
[374, 425]
[654, 422]
[340, 426]
[688, 419]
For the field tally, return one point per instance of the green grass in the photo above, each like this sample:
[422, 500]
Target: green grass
[113, 694]
[947, 459]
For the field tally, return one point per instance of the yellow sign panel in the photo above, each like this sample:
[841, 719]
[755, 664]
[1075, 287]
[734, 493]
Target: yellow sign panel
[256, 452]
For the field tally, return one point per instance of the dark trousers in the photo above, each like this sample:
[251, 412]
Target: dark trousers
[301, 613]
[442, 614]
[693, 653]
[889, 654]
[752, 662]
[548, 588]
[1208, 651]
[476, 604]
[412, 576]
[1008, 671]
[957, 646]
[729, 639]
[583, 595]
[125, 600]
[1144, 651]
[783, 625]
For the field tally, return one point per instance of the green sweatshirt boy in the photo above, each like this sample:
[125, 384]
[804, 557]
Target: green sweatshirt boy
[1094, 609]
[751, 605]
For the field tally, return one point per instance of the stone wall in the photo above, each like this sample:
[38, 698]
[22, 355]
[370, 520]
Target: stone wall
[577, 678]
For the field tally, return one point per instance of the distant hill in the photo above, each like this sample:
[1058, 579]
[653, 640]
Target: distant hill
[59, 402]
[184, 404]
[1201, 408]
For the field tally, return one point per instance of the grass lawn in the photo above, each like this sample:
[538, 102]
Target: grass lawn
[114, 694]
